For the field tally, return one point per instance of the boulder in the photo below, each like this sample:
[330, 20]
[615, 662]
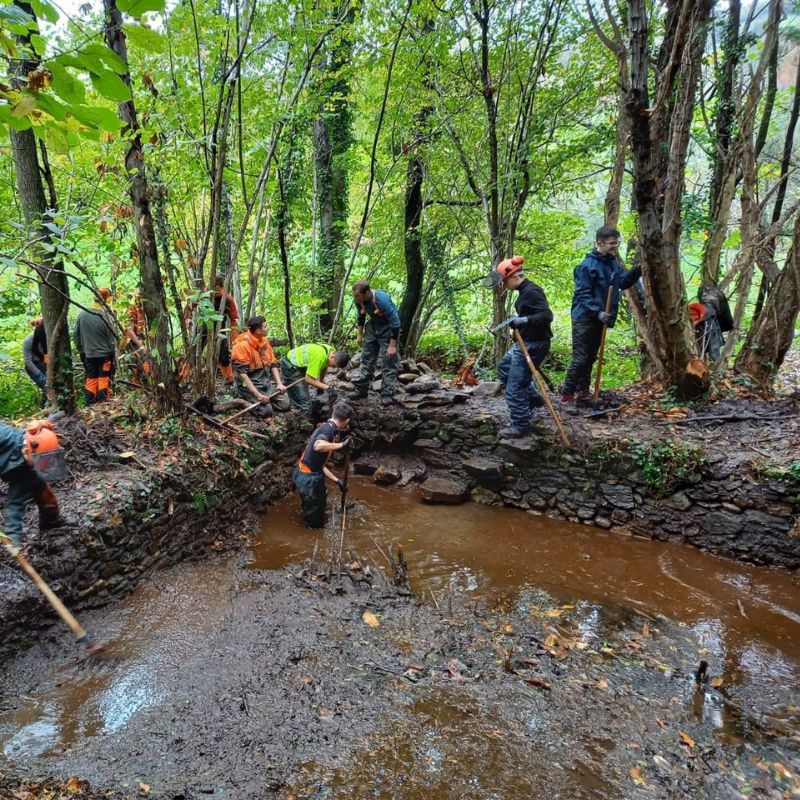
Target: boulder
[443, 490]
[388, 472]
[407, 377]
[424, 368]
[487, 389]
[485, 470]
[425, 383]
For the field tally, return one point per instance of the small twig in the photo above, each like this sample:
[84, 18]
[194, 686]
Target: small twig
[435, 600]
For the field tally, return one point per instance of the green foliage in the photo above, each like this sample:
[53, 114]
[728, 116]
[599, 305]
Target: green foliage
[668, 465]
[200, 501]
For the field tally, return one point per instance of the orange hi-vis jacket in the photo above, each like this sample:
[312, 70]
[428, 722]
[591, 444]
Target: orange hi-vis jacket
[252, 353]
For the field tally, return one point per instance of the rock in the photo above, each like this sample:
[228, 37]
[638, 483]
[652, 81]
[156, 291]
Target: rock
[487, 389]
[602, 522]
[732, 508]
[485, 470]
[388, 472]
[409, 365]
[367, 464]
[618, 496]
[486, 497]
[407, 377]
[424, 368]
[427, 444]
[679, 501]
[522, 452]
[425, 383]
[412, 472]
[442, 490]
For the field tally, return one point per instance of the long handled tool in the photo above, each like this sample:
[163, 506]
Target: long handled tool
[542, 388]
[259, 402]
[601, 352]
[345, 480]
[77, 629]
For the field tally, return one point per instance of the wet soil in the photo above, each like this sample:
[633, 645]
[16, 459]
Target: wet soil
[536, 656]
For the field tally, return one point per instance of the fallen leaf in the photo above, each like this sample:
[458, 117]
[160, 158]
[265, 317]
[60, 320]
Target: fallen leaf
[602, 684]
[370, 619]
[538, 683]
[645, 630]
[661, 761]
[716, 682]
[686, 739]
[145, 788]
[781, 770]
[509, 629]
[76, 786]
[637, 776]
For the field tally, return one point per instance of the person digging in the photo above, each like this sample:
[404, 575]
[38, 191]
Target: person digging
[309, 362]
[532, 320]
[253, 361]
[599, 274]
[311, 471]
[28, 460]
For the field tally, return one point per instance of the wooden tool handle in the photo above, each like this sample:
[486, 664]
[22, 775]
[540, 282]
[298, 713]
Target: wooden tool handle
[61, 609]
[542, 388]
[602, 351]
[259, 402]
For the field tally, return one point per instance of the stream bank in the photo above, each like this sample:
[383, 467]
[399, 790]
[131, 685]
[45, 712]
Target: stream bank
[147, 494]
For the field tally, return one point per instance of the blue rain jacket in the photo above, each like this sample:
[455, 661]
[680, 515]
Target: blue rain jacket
[593, 276]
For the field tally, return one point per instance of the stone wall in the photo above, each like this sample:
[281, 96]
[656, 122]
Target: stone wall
[455, 454]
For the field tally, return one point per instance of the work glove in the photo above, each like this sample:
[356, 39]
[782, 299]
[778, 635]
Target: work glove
[518, 322]
[604, 317]
[342, 485]
[347, 445]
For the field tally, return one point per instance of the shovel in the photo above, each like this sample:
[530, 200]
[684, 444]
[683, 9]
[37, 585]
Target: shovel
[259, 402]
[599, 374]
[77, 629]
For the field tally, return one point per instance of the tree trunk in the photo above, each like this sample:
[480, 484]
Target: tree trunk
[723, 178]
[412, 246]
[52, 278]
[659, 140]
[282, 223]
[770, 336]
[611, 207]
[166, 390]
[332, 137]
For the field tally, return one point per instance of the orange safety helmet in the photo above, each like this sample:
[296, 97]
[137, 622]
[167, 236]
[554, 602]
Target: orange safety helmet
[505, 269]
[43, 451]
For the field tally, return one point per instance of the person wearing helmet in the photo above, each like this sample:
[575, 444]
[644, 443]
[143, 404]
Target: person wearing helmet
[599, 271]
[96, 343]
[377, 336]
[533, 318]
[28, 460]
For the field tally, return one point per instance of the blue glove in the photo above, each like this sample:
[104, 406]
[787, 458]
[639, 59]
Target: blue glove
[604, 317]
[518, 322]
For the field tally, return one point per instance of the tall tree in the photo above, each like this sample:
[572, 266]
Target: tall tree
[332, 137]
[660, 120]
[771, 333]
[51, 275]
[166, 390]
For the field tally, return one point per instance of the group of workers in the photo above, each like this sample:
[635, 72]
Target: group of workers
[278, 385]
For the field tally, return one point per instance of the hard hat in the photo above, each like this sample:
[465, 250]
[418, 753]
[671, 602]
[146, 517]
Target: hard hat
[505, 269]
[43, 450]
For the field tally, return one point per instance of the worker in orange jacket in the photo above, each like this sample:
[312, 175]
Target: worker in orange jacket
[28, 460]
[253, 363]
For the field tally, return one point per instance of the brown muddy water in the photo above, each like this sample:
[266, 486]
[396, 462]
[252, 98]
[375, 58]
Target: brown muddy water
[745, 619]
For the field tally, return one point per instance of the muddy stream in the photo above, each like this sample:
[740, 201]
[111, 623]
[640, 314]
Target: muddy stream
[61, 715]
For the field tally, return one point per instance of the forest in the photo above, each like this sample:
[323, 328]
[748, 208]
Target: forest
[294, 148]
